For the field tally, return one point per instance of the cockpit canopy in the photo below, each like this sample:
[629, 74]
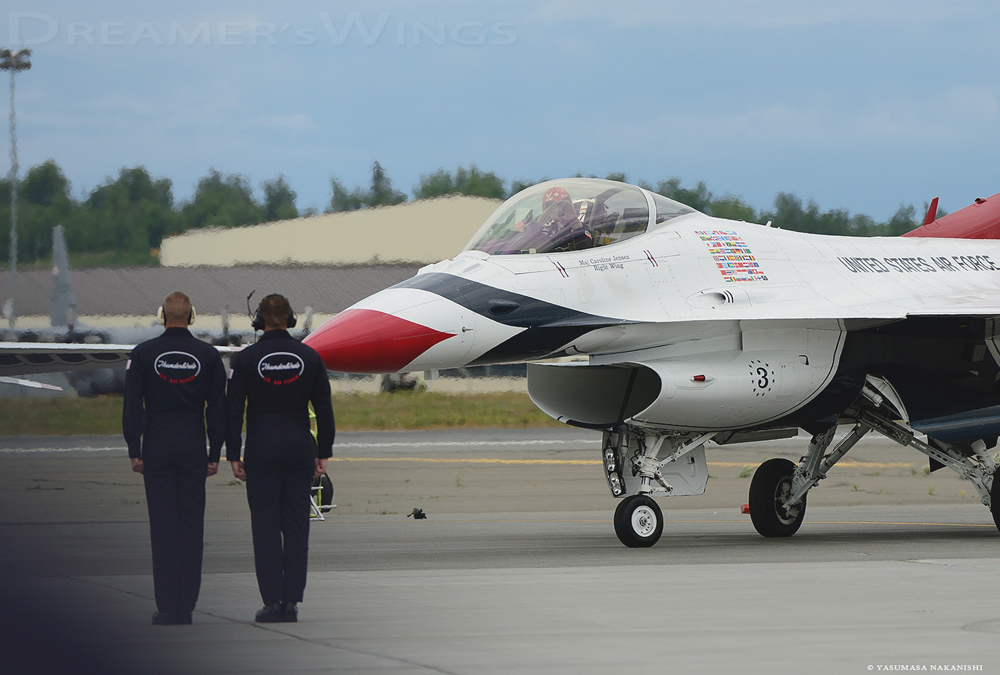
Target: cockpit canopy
[572, 214]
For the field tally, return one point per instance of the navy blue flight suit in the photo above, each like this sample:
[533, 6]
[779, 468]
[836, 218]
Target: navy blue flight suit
[175, 385]
[276, 379]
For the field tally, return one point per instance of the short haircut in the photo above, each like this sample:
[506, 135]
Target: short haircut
[275, 310]
[177, 308]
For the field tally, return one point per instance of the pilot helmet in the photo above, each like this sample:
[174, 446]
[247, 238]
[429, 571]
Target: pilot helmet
[553, 195]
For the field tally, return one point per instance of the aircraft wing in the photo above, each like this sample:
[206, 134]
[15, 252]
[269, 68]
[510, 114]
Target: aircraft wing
[29, 358]
[31, 384]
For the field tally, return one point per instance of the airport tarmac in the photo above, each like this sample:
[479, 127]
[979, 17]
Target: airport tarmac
[515, 570]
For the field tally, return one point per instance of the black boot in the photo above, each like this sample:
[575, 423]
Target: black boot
[269, 614]
[164, 619]
[171, 619]
[289, 612]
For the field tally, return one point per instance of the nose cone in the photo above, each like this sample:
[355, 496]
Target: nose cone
[370, 341]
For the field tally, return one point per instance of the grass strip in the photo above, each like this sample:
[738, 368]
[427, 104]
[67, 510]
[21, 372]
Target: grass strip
[353, 412]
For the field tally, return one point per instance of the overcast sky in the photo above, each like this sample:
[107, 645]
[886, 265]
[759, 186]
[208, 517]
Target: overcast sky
[856, 104]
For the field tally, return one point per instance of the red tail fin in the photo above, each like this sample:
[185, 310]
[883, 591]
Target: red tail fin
[931, 212]
[978, 221]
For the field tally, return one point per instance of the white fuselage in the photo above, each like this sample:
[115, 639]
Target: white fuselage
[741, 324]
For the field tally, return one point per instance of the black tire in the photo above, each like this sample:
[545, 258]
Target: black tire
[638, 521]
[618, 512]
[995, 499]
[771, 484]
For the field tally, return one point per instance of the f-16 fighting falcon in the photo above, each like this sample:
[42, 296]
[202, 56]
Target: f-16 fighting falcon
[691, 329]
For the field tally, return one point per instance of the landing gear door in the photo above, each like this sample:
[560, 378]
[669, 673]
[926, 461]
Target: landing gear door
[688, 475]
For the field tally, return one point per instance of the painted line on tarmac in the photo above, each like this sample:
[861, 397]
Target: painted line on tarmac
[418, 444]
[19, 451]
[464, 444]
[434, 460]
[579, 462]
[590, 441]
[471, 460]
[471, 444]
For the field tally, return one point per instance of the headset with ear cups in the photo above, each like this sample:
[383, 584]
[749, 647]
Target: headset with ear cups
[161, 317]
[257, 322]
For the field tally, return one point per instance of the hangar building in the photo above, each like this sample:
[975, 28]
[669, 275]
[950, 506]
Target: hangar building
[420, 232]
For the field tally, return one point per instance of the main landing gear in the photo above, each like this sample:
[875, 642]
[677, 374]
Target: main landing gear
[779, 487]
[640, 464]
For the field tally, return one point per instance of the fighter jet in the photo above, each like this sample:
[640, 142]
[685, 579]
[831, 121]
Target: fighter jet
[93, 357]
[690, 329]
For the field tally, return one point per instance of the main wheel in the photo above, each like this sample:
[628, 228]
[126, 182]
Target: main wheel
[770, 487]
[995, 499]
[638, 521]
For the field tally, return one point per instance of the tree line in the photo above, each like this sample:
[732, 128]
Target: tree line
[123, 220]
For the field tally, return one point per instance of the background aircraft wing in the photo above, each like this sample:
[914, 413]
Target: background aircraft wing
[31, 358]
[28, 358]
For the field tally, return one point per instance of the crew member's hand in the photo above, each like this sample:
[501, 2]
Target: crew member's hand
[136, 464]
[239, 470]
[213, 468]
[320, 467]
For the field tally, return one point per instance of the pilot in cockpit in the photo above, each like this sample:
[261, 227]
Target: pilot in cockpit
[561, 221]
[547, 218]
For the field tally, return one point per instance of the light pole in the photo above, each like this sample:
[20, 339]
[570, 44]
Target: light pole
[14, 62]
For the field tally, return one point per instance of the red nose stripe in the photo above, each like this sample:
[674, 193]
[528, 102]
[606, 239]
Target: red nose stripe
[368, 341]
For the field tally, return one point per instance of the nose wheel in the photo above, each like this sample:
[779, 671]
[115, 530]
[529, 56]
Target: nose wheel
[638, 521]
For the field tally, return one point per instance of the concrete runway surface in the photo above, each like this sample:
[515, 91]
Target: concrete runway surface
[515, 570]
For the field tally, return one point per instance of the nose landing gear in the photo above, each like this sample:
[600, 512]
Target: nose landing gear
[638, 521]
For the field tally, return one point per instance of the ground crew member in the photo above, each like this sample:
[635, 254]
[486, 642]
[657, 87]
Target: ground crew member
[175, 386]
[276, 379]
